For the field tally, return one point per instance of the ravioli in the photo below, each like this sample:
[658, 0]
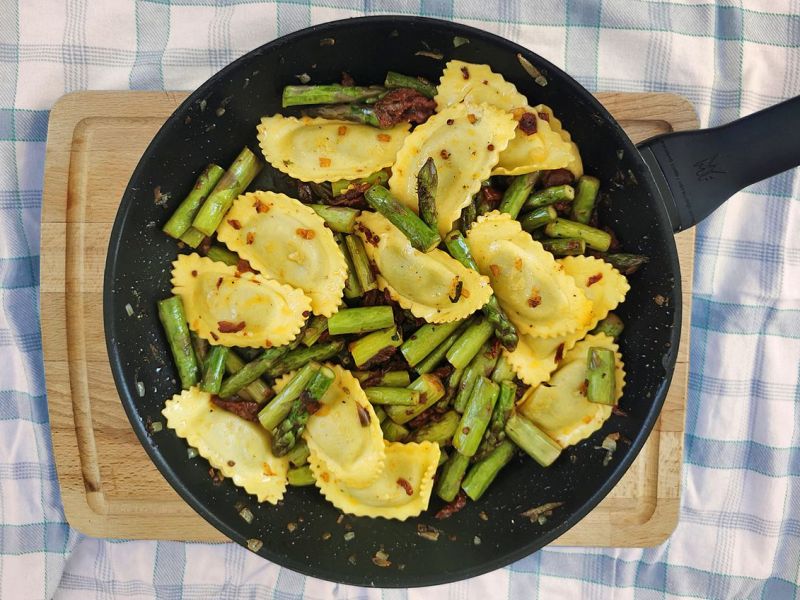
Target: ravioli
[239, 449]
[550, 146]
[315, 149]
[465, 142]
[535, 358]
[402, 490]
[476, 84]
[286, 240]
[338, 439]
[560, 408]
[230, 308]
[531, 287]
[433, 285]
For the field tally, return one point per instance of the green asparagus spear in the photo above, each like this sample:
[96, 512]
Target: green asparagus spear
[431, 390]
[585, 198]
[517, 193]
[276, 409]
[231, 184]
[170, 311]
[396, 80]
[182, 218]
[427, 182]
[387, 379]
[314, 330]
[214, 370]
[430, 362]
[476, 417]
[256, 390]
[565, 246]
[294, 359]
[379, 413]
[356, 113]
[627, 264]
[393, 432]
[496, 433]
[396, 396]
[469, 343]
[612, 326]
[361, 266]
[538, 217]
[301, 95]
[300, 476]
[502, 370]
[425, 339]
[468, 215]
[482, 473]
[422, 237]
[251, 371]
[377, 178]
[450, 477]
[222, 254]
[298, 455]
[192, 238]
[550, 195]
[482, 365]
[600, 375]
[288, 432]
[594, 238]
[200, 347]
[532, 440]
[339, 218]
[503, 327]
[360, 320]
[367, 348]
[352, 286]
[440, 431]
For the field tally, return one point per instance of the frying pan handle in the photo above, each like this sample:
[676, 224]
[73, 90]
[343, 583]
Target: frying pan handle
[696, 171]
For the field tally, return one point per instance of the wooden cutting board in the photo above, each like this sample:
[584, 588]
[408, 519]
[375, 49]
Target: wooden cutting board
[109, 487]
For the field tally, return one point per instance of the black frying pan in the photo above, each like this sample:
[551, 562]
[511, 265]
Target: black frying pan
[668, 184]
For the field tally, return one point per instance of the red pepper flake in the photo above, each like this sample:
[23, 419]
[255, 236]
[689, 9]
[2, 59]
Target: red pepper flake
[251, 237]
[444, 154]
[368, 235]
[544, 116]
[231, 463]
[559, 352]
[518, 264]
[306, 234]
[472, 118]
[243, 266]
[535, 300]
[616, 410]
[384, 137]
[260, 206]
[495, 269]
[324, 162]
[214, 335]
[194, 273]
[594, 279]
[363, 416]
[485, 82]
[584, 387]
[465, 72]
[527, 123]
[465, 430]
[456, 505]
[228, 327]
[403, 483]
[490, 147]
[450, 121]
[235, 224]
[219, 282]
[342, 129]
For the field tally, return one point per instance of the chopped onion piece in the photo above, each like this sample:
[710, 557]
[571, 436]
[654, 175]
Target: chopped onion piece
[156, 426]
[349, 535]
[254, 544]
[246, 514]
[191, 452]
[129, 309]
[140, 389]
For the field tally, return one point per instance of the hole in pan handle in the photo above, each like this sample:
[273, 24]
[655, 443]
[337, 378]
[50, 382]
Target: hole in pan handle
[696, 171]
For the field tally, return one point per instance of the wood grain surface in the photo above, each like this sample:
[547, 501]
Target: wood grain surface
[109, 486]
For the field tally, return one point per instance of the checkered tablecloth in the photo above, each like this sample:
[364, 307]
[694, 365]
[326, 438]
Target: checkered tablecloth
[739, 531]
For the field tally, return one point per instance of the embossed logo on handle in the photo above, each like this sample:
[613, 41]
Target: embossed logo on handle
[706, 168]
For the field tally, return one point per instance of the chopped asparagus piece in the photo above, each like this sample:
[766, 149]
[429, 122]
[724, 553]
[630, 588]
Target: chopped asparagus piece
[192, 238]
[377, 178]
[294, 359]
[427, 182]
[214, 369]
[550, 195]
[538, 217]
[288, 432]
[585, 197]
[298, 456]
[450, 477]
[482, 473]
[173, 318]
[361, 266]
[276, 409]
[397, 80]
[356, 113]
[352, 286]
[422, 237]
[393, 432]
[440, 431]
[476, 417]
[182, 218]
[380, 413]
[469, 343]
[251, 371]
[431, 390]
[339, 218]
[425, 339]
[482, 365]
[365, 349]
[300, 476]
[301, 95]
[600, 375]
[222, 254]
[387, 379]
[532, 440]
[612, 326]
[430, 362]
[565, 246]
[360, 320]
[594, 238]
[314, 330]
[517, 193]
[256, 390]
[627, 264]
[502, 370]
[396, 396]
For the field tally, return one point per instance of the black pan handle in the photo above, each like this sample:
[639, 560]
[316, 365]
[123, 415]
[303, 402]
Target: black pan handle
[696, 171]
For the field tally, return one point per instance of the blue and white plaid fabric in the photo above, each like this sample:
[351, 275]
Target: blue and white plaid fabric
[739, 531]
